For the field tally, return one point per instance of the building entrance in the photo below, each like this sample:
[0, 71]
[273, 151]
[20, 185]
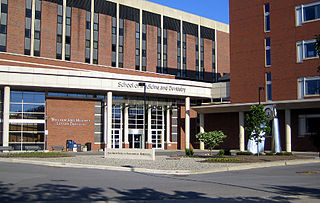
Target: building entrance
[135, 139]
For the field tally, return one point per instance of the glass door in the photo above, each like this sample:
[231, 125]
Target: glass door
[157, 127]
[116, 136]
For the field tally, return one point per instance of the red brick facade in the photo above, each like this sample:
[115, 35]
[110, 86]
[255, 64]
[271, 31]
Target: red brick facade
[172, 49]
[191, 55]
[152, 33]
[129, 53]
[48, 30]
[78, 35]
[223, 52]
[105, 37]
[70, 120]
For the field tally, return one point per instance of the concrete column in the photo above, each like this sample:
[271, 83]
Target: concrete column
[149, 143]
[118, 28]
[105, 130]
[91, 32]
[187, 123]
[33, 17]
[201, 129]
[288, 129]
[64, 10]
[241, 131]
[5, 121]
[162, 136]
[126, 127]
[109, 119]
[168, 125]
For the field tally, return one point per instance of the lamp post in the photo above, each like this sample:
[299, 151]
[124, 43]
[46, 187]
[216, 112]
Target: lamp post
[143, 84]
[260, 88]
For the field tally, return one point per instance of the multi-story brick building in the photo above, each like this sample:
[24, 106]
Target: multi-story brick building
[116, 72]
[272, 54]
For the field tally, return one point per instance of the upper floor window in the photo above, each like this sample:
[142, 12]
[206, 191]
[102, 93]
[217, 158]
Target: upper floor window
[306, 50]
[267, 17]
[268, 51]
[269, 86]
[307, 12]
[309, 86]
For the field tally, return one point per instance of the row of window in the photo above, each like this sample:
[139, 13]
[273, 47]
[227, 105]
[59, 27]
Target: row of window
[307, 13]
[3, 25]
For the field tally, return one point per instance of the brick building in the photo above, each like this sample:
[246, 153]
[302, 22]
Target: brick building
[272, 54]
[115, 73]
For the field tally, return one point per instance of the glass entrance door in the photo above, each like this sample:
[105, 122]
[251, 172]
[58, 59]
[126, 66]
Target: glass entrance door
[157, 127]
[135, 141]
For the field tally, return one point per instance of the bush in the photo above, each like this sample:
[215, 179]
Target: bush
[244, 153]
[221, 152]
[269, 153]
[211, 139]
[223, 160]
[284, 154]
[189, 152]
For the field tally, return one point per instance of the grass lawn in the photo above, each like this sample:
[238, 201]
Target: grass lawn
[35, 155]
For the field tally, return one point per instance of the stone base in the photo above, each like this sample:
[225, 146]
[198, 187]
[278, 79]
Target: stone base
[125, 145]
[171, 146]
[148, 146]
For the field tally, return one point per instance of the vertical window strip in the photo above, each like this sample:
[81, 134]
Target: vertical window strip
[28, 19]
[68, 33]
[214, 74]
[3, 28]
[37, 28]
[121, 42]
[114, 42]
[184, 54]
[59, 32]
[137, 46]
[88, 36]
[197, 59]
[144, 47]
[95, 37]
[269, 86]
[267, 52]
[165, 50]
[267, 17]
[159, 68]
[179, 73]
[201, 59]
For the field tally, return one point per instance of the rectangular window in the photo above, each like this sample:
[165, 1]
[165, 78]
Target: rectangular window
[88, 37]
[307, 13]
[309, 124]
[137, 46]
[306, 50]
[37, 28]
[95, 37]
[309, 86]
[214, 74]
[160, 69]
[267, 17]
[121, 42]
[179, 73]
[114, 41]
[68, 34]
[3, 26]
[165, 50]
[144, 47]
[267, 52]
[59, 32]
[269, 86]
[27, 39]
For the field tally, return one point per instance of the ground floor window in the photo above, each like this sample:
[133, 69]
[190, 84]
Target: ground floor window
[309, 124]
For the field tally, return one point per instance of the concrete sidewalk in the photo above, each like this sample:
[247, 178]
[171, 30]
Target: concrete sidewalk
[167, 162]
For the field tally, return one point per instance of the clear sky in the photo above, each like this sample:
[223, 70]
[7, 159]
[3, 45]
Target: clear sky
[214, 9]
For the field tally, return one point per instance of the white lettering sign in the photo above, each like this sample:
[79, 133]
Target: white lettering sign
[167, 88]
[70, 121]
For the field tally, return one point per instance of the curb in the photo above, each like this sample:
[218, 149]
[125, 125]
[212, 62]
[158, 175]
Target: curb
[166, 172]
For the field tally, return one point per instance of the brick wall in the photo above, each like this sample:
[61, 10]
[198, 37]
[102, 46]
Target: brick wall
[223, 52]
[59, 133]
[16, 26]
[207, 59]
[129, 52]
[172, 49]
[48, 29]
[152, 35]
[193, 129]
[191, 55]
[105, 37]
[78, 35]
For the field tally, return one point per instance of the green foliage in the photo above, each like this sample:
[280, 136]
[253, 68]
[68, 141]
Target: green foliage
[211, 139]
[269, 153]
[36, 155]
[223, 160]
[257, 122]
[189, 152]
[244, 153]
[317, 44]
[221, 152]
[284, 154]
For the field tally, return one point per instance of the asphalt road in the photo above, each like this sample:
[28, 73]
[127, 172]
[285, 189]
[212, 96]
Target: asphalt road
[30, 183]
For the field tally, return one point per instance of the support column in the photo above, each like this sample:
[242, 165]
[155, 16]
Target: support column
[5, 121]
[187, 123]
[109, 119]
[288, 129]
[126, 127]
[168, 126]
[201, 129]
[149, 143]
[241, 131]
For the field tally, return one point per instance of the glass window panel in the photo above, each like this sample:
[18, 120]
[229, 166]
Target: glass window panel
[312, 87]
[310, 50]
[4, 19]
[33, 116]
[15, 107]
[37, 24]
[15, 96]
[3, 39]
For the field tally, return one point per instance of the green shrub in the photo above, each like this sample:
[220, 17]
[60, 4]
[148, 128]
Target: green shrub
[211, 139]
[284, 154]
[244, 153]
[222, 160]
[269, 153]
[221, 152]
[189, 152]
[36, 155]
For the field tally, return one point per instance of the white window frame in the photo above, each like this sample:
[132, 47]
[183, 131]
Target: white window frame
[267, 48]
[300, 13]
[301, 50]
[302, 87]
[302, 124]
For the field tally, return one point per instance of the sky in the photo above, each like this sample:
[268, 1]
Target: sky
[217, 10]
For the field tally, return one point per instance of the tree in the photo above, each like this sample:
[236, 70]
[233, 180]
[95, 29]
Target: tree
[211, 139]
[257, 122]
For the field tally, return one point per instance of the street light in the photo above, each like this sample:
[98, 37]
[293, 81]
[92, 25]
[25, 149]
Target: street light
[143, 84]
[260, 88]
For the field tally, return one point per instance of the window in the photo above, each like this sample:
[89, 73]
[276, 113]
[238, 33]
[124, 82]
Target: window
[306, 50]
[59, 32]
[267, 17]
[121, 42]
[3, 26]
[307, 13]
[88, 37]
[95, 37]
[197, 58]
[268, 52]
[137, 46]
[309, 87]
[114, 42]
[68, 33]
[214, 75]
[160, 69]
[144, 47]
[269, 86]
[165, 50]
[27, 38]
[179, 54]
[37, 28]
[309, 124]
